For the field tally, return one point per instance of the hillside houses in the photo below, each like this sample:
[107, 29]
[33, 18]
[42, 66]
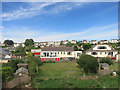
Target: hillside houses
[113, 41]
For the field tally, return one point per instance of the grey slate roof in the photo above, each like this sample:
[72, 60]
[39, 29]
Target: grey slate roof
[61, 48]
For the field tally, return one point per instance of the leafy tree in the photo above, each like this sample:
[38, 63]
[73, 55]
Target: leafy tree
[7, 73]
[28, 48]
[33, 64]
[20, 51]
[78, 43]
[13, 64]
[75, 48]
[87, 46]
[88, 63]
[69, 44]
[8, 42]
[29, 42]
[107, 60]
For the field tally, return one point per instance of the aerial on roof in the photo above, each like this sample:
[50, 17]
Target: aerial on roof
[61, 48]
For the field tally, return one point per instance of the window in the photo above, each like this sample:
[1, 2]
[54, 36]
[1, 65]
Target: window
[93, 53]
[58, 52]
[100, 53]
[47, 54]
[44, 54]
[61, 52]
[105, 52]
[78, 54]
[101, 47]
[69, 53]
[64, 52]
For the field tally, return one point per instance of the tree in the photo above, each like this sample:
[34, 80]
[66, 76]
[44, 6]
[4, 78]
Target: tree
[7, 73]
[13, 64]
[69, 44]
[20, 51]
[75, 48]
[29, 42]
[78, 43]
[107, 60]
[87, 46]
[88, 63]
[28, 48]
[8, 42]
[33, 64]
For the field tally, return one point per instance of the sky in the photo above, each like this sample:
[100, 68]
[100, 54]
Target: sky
[55, 21]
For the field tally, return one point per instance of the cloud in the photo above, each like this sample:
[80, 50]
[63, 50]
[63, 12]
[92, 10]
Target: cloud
[34, 9]
[100, 32]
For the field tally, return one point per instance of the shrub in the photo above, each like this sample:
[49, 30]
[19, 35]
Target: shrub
[88, 63]
[107, 60]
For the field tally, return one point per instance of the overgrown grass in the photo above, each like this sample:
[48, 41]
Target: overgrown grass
[68, 75]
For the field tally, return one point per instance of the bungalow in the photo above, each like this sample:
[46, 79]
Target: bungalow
[93, 42]
[59, 53]
[73, 41]
[65, 41]
[113, 41]
[102, 51]
[84, 41]
[103, 41]
[18, 44]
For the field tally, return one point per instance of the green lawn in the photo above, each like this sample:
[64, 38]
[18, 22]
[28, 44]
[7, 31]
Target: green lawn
[114, 66]
[59, 70]
[68, 75]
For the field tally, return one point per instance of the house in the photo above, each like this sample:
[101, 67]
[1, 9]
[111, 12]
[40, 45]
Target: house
[102, 51]
[37, 44]
[18, 44]
[5, 55]
[2, 44]
[59, 53]
[103, 41]
[43, 43]
[50, 42]
[93, 42]
[57, 43]
[65, 41]
[113, 41]
[36, 52]
[84, 41]
[73, 41]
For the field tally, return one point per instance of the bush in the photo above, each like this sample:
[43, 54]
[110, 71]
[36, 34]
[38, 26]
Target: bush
[88, 63]
[7, 73]
[107, 60]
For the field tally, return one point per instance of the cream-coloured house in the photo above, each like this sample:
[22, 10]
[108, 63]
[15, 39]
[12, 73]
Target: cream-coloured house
[59, 53]
[102, 51]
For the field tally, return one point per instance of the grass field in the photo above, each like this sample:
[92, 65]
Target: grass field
[59, 70]
[68, 75]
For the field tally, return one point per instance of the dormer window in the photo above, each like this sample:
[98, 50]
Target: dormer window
[93, 53]
[101, 47]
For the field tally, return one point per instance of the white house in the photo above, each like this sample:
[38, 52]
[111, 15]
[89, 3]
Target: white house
[57, 43]
[113, 41]
[102, 51]
[18, 44]
[84, 41]
[65, 41]
[103, 41]
[73, 41]
[93, 42]
[59, 53]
